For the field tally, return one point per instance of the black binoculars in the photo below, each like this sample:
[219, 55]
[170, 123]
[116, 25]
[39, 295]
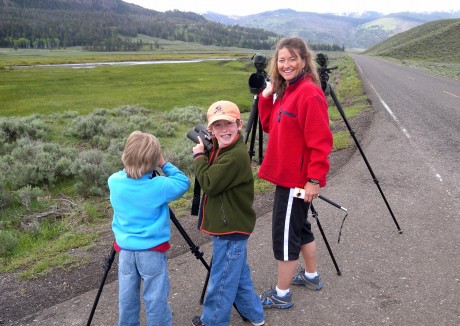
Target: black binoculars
[201, 131]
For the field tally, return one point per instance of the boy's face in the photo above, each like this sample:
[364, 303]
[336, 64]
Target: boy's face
[225, 131]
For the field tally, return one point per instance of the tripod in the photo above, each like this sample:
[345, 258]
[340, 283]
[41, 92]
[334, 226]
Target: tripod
[300, 194]
[323, 71]
[109, 261]
[193, 248]
[257, 82]
[253, 124]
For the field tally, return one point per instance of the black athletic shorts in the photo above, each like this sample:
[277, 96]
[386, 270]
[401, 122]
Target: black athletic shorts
[290, 228]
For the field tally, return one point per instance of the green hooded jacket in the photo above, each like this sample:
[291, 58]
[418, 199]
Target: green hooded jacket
[226, 178]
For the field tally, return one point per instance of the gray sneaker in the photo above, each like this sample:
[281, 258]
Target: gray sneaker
[299, 278]
[271, 300]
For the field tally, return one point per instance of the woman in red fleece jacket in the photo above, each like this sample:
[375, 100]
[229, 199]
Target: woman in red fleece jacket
[293, 111]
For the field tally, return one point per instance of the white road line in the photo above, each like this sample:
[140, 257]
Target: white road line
[451, 94]
[404, 130]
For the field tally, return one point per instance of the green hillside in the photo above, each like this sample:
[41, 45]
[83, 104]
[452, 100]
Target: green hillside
[389, 24]
[436, 41]
[434, 47]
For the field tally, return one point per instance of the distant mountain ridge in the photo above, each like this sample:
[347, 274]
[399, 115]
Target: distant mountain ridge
[352, 30]
[114, 25]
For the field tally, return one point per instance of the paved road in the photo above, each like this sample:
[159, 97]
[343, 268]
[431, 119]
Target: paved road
[425, 107]
[387, 278]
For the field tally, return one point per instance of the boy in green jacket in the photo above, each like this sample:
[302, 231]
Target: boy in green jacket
[226, 213]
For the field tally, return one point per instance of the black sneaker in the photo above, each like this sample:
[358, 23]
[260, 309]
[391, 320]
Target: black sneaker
[300, 278]
[271, 300]
[196, 321]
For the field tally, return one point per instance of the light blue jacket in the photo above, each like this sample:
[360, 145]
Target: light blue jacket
[140, 207]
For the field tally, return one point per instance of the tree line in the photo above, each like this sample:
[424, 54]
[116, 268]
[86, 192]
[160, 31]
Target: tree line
[109, 30]
[114, 25]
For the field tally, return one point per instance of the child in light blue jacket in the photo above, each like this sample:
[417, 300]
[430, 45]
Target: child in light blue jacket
[141, 226]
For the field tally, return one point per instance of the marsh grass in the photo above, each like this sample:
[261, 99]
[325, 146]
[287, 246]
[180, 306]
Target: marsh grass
[26, 91]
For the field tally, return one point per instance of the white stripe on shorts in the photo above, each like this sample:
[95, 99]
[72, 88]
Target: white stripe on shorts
[287, 222]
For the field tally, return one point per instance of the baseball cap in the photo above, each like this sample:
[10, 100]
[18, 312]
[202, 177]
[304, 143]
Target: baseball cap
[223, 110]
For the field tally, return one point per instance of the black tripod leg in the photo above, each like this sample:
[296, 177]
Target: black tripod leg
[251, 127]
[352, 133]
[108, 265]
[251, 118]
[205, 286]
[195, 249]
[315, 215]
[261, 143]
[252, 152]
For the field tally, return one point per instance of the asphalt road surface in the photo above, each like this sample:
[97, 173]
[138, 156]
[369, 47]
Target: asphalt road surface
[425, 107]
[387, 277]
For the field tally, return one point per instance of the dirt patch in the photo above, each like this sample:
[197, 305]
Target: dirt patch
[23, 298]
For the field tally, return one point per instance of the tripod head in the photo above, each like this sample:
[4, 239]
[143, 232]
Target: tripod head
[258, 80]
[323, 71]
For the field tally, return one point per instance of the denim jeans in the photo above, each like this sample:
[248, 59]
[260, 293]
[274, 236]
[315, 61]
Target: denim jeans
[230, 282]
[150, 267]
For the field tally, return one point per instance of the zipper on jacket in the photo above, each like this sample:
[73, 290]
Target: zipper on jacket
[286, 113]
[222, 210]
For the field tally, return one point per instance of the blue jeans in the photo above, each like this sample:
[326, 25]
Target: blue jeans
[230, 282]
[152, 268]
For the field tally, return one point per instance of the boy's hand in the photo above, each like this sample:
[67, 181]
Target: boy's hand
[161, 162]
[198, 148]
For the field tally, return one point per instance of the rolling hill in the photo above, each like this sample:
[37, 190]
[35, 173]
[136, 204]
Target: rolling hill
[436, 41]
[351, 30]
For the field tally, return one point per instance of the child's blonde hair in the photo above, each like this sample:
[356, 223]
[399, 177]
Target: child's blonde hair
[141, 154]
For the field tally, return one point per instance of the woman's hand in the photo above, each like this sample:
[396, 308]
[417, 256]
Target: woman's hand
[311, 191]
[268, 90]
[198, 148]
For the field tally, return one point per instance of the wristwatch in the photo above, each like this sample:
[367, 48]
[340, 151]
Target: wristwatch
[313, 181]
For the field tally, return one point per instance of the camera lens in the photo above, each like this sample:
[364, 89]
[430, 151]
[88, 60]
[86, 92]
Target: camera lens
[322, 59]
[256, 83]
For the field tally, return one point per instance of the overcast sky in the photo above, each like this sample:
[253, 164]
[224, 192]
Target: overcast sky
[247, 7]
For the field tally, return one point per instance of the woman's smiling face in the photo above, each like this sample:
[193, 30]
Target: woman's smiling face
[290, 65]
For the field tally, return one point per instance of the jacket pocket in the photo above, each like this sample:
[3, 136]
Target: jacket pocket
[282, 112]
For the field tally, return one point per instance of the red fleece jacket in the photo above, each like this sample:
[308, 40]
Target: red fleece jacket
[300, 139]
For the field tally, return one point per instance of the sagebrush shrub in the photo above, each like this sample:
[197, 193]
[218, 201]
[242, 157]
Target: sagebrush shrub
[12, 129]
[189, 116]
[92, 169]
[130, 110]
[28, 194]
[7, 243]
[181, 155]
[86, 127]
[36, 163]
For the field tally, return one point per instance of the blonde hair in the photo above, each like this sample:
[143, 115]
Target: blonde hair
[141, 154]
[292, 44]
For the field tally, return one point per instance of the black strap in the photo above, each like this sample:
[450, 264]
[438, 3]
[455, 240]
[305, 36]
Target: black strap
[196, 198]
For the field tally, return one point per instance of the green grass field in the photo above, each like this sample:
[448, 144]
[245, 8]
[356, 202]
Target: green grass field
[25, 91]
